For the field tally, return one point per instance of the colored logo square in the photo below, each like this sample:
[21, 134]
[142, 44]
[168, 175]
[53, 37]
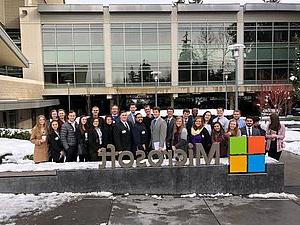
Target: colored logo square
[238, 145]
[237, 164]
[256, 164]
[256, 145]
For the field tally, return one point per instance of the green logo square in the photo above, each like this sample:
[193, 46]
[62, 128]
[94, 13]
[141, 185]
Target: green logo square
[238, 145]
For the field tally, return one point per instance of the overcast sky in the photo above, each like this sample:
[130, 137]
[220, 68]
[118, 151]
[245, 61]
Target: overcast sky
[106, 2]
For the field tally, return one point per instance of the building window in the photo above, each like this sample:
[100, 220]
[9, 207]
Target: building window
[203, 57]
[139, 49]
[73, 53]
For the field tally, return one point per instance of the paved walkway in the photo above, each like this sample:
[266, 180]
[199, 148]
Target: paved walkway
[172, 210]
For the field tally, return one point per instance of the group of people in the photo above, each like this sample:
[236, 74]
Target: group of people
[67, 137]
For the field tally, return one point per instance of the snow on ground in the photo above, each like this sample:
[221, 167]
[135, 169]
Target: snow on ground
[21, 204]
[274, 195]
[19, 148]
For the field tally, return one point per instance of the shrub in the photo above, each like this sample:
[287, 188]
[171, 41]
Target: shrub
[15, 133]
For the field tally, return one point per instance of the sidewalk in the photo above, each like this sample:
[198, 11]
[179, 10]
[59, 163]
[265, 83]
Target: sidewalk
[141, 209]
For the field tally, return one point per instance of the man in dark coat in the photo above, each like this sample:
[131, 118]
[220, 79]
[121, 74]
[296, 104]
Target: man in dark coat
[123, 133]
[170, 125]
[139, 134]
[69, 137]
[95, 114]
[147, 121]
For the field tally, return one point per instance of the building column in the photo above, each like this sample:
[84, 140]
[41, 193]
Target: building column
[172, 100]
[174, 36]
[240, 40]
[107, 49]
[231, 100]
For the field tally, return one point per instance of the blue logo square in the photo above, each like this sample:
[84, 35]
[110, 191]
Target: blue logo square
[256, 164]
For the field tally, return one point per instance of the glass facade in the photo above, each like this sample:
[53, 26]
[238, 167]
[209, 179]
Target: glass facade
[139, 49]
[73, 53]
[203, 57]
[270, 51]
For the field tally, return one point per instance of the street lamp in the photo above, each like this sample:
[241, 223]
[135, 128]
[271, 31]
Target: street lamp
[236, 48]
[226, 97]
[155, 74]
[69, 97]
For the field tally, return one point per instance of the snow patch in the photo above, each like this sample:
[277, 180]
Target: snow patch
[215, 195]
[156, 197]
[274, 195]
[188, 195]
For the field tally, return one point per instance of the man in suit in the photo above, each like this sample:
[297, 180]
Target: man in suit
[69, 137]
[147, 121]
[115, 113]
[122, 133]
[249, 129]
[131, 116]
[158, 130]
[170, 125]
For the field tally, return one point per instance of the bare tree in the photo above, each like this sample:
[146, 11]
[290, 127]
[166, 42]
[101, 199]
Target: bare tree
[275, 98]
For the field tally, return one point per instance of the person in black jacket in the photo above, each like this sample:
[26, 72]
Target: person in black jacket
[139, 134]
[95, 140]
[69, 137]
[147, 121]
[170, 126]
[122, 133]
[83, 139]
[108, 131]
[55, 146]
[95, 114]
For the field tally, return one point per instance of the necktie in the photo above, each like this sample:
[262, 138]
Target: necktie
[249, 131]
[154, 123]
[127, 126]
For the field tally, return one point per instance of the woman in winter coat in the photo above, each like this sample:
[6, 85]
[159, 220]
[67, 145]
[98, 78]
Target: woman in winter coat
[275, 134]
[83, 140]
[56, 149]
[218, 135]
[95, 140]
[199, 134]
[179, 138]
[108, 131]
[39, 139]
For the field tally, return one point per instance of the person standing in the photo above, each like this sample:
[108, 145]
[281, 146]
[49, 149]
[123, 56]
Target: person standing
[53, 116]
[56, 149]
[218, 136]
[115, 113]
[69, 137]
[221, 118]
[170, 126]
[139, 134]
[233, 129]
[95, 140]
[199, 134]
[249, 129]
[61, 117]
[147, 121]
[158, 131]
[108, 127]
[39, 139]
[275, 134]
[179, 137]
[237, 116]
[95, 114]
[207, 118]
[123, 133]
[83, 151]
[131, 116]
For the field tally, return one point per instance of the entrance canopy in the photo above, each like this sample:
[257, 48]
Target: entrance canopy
[10, 54]
[26, 104]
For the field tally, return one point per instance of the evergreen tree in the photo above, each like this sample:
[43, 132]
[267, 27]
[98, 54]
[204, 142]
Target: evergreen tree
[295, 75]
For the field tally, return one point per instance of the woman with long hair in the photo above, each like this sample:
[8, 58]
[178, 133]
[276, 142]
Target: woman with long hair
[179, 138]
[108, 131]
[83, 139]
[207, 120]
[275, 134]
[233, 129]
[199, 134]
[218, 135]
[95, 140]
[56, 149]
[39, 139]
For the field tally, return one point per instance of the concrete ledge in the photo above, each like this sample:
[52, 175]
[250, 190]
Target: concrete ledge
[164, 180]
[28, 174]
